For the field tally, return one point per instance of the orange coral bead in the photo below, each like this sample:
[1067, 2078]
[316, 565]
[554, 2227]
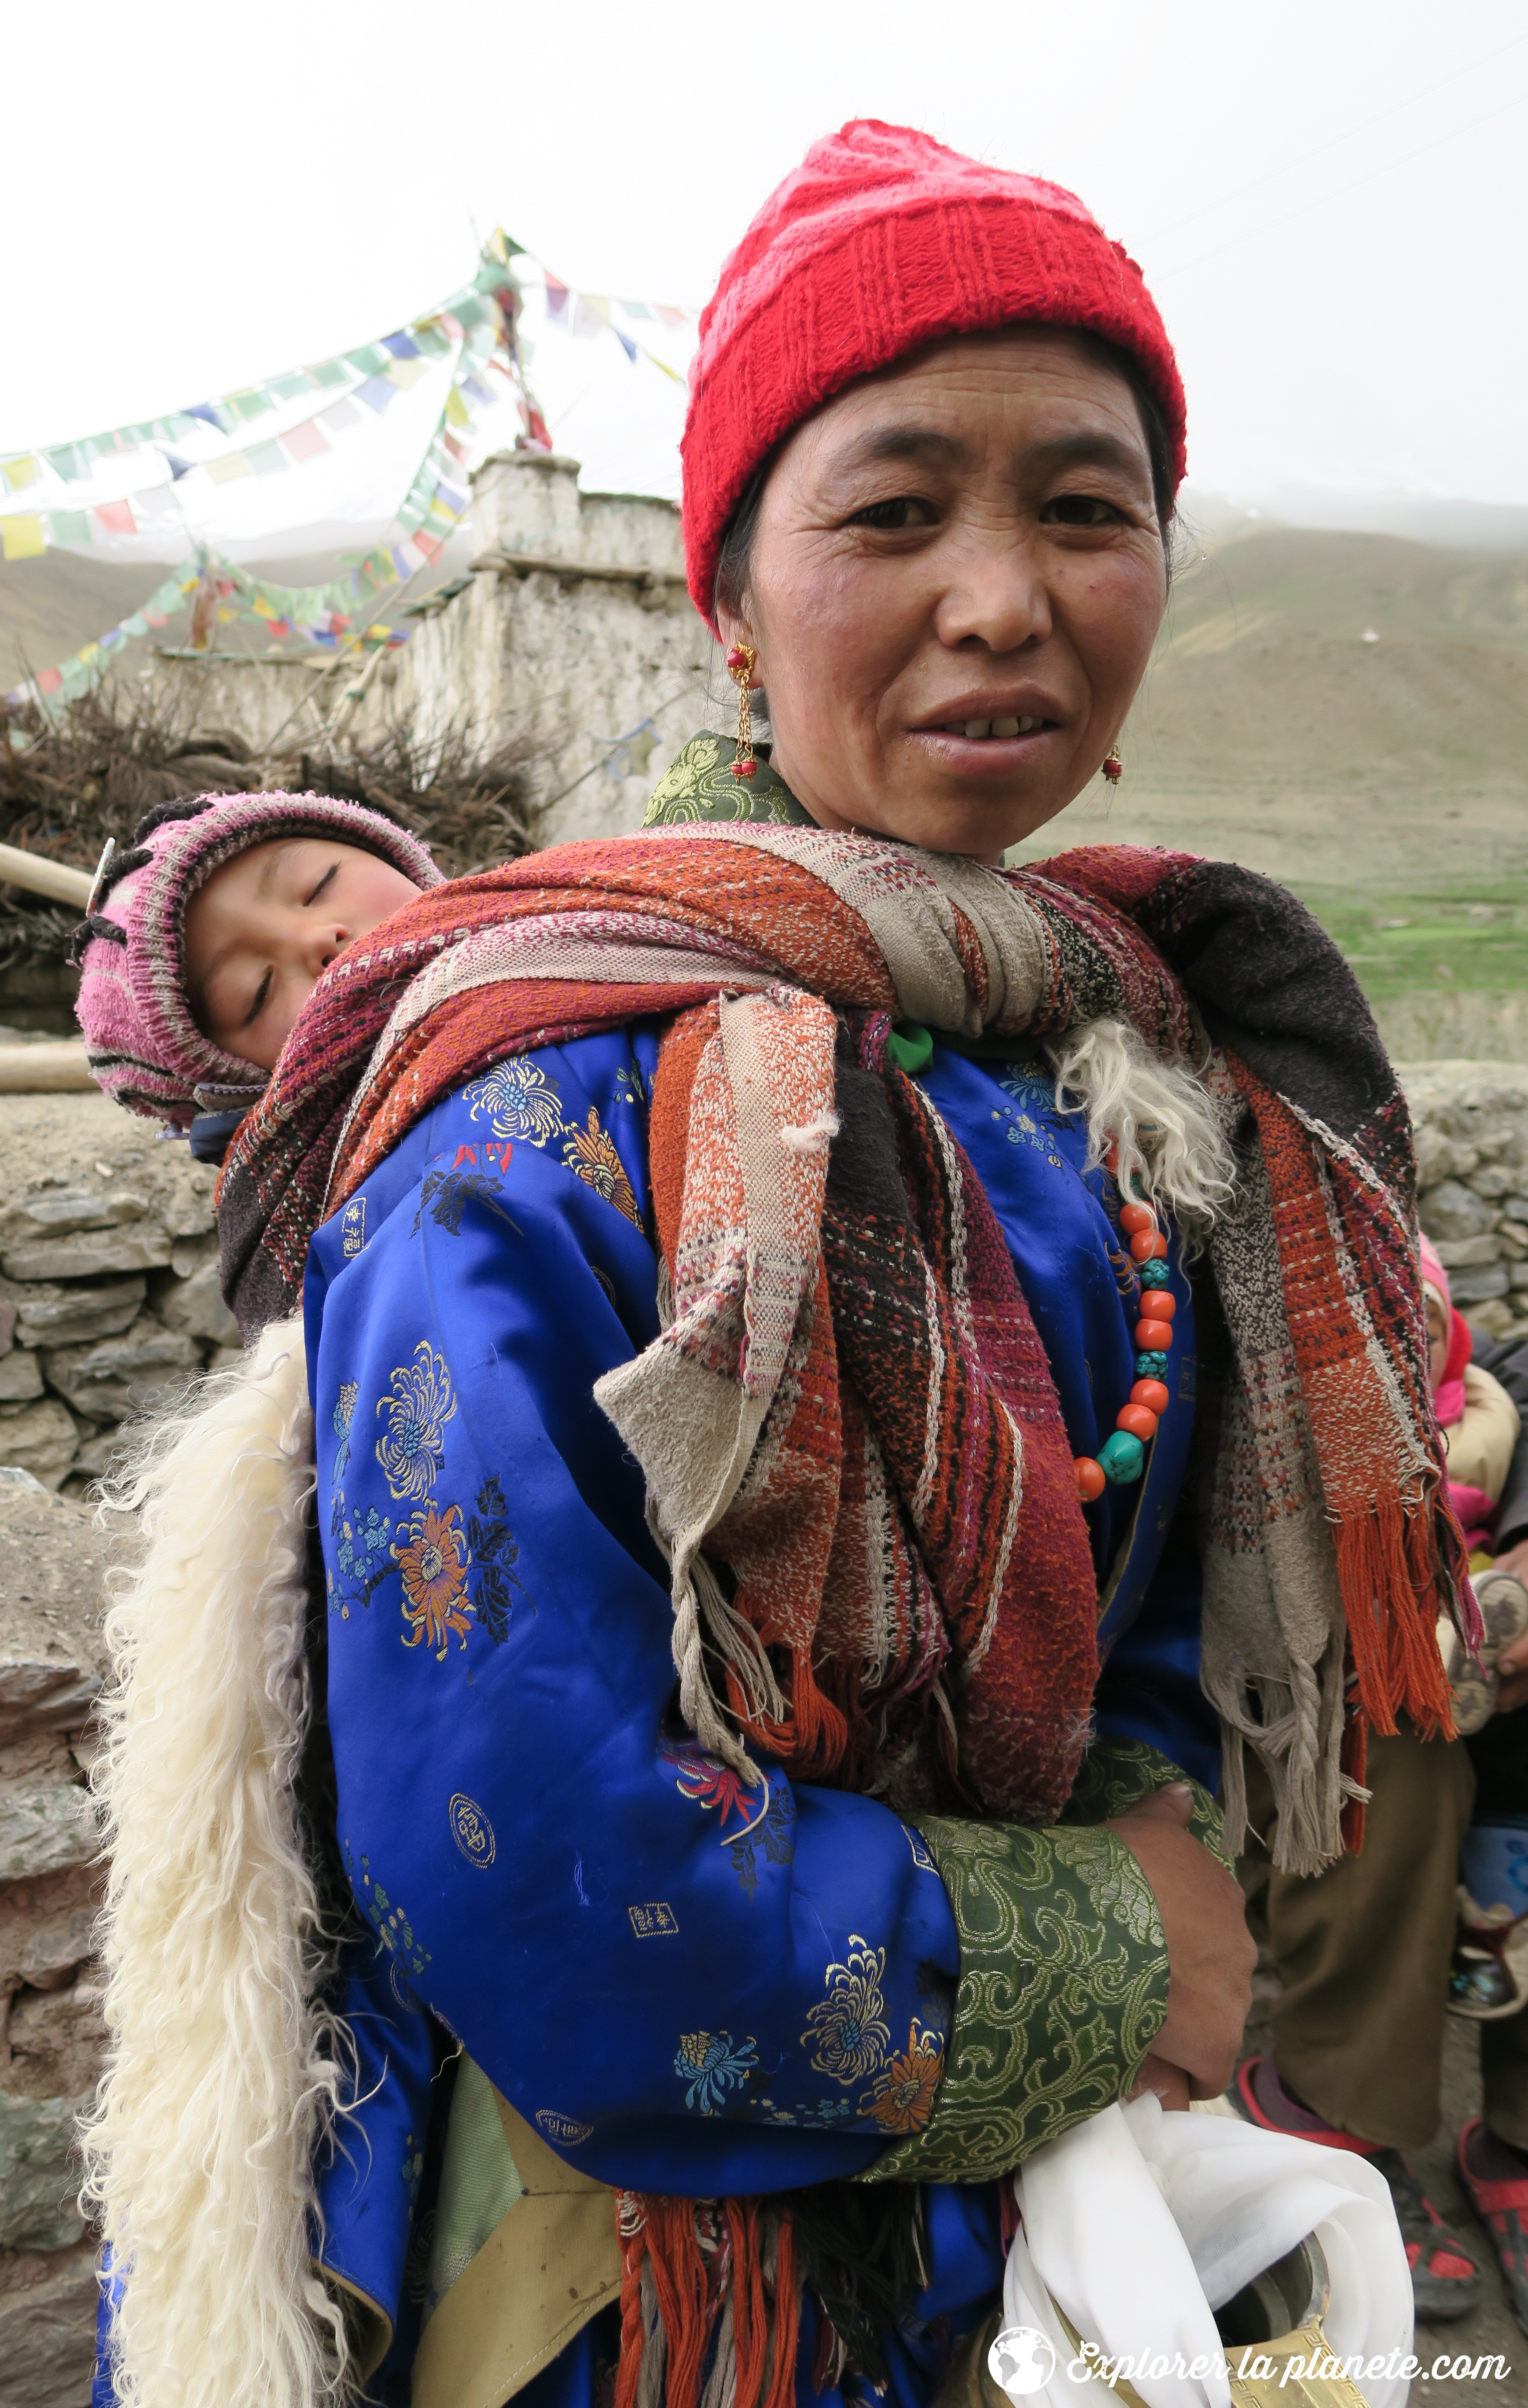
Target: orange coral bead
[1160, 1305]
[1153, 1336]
[1152, 1394]
[1136, 1216]
[1137, 1419]
[1090, 1479]
[1147, 1246]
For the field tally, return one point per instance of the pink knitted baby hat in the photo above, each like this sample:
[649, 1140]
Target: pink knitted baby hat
[143, 1046]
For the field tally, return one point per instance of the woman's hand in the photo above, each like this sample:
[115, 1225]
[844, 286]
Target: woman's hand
[1210, 1952]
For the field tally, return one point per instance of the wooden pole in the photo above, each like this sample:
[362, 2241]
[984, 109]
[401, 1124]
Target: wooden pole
[40, 875]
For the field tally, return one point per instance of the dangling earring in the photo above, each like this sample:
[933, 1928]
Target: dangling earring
[1113, 769]
[740, 664]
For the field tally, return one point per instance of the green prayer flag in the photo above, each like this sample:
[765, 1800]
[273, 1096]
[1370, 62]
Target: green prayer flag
[253, 403]
[68, 527]
[329, 372]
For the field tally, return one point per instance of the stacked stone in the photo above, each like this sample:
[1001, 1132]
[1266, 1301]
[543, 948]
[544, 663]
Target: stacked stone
[1471, 1122]
[109, 1284]
[52, 2039]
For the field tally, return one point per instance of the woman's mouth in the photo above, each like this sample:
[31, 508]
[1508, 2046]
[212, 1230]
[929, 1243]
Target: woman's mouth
[980, 730]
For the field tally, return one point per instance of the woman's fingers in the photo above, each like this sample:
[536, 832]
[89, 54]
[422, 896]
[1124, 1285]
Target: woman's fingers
[1169, 2083]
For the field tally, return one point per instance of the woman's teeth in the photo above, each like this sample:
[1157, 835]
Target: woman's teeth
[979, 727]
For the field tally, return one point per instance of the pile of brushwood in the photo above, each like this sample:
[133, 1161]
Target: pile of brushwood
[68, 783]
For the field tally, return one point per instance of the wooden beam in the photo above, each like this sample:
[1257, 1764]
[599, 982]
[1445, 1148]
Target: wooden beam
[40, 875]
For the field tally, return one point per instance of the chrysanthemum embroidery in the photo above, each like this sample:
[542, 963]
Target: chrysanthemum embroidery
[519, 1099]
[901, 2098]
[591, 1152]
[714, 2064]
[431, 1554]
[411, 1449]
[715, 1786]
[847, 2031]
[344, 1413]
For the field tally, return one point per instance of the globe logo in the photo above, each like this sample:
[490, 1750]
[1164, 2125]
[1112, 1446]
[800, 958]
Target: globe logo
[1022, 2360]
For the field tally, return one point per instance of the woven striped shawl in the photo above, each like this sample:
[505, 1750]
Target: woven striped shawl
[770, 1427]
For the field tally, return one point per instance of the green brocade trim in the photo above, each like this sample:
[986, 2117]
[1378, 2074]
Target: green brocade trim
[1118, 1774]
[700, 785]
[1062, 1990]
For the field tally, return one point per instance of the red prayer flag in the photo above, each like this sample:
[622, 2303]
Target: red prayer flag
[307, 441]
[49, 681]
[116, 518]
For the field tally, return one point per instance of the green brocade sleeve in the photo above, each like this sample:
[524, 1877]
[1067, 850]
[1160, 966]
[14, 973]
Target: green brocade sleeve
[1063, 1972]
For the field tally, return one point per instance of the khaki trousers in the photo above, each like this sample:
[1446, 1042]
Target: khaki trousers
[1362, 1953]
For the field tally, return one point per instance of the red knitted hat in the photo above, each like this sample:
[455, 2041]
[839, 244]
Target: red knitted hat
[879, 242]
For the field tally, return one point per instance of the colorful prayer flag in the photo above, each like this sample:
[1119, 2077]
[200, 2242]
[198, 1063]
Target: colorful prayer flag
[266, 459]
[68, 527]
[376, 393]
[307, 441]
[20, 472]
[223, 472]
[116, 518]
[406, 371]
[21, 537]
[557, 299]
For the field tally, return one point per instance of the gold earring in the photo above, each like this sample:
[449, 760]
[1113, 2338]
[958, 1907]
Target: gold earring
[1113, 769]
[740, 664]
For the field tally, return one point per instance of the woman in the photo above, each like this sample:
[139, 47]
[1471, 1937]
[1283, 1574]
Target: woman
[752, 1416]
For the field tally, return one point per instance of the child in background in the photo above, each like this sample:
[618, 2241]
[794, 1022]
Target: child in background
[1488, 1976]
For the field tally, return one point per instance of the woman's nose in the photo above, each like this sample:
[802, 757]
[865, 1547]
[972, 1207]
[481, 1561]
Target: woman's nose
[995, 595]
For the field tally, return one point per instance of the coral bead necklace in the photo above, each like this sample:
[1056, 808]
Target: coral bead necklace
[1121, 1458]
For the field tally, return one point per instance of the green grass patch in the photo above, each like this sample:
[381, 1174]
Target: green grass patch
[1473, 939]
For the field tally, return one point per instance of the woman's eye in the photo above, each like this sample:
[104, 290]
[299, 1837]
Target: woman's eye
[1081, 510]
[903, 512]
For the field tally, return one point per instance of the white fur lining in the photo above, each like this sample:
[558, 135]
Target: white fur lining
[224, 2074]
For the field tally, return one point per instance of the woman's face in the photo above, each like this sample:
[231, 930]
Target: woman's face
[956, 579]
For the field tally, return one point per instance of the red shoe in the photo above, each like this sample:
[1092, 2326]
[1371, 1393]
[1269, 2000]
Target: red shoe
[1503, 2209]
[1445, 2278]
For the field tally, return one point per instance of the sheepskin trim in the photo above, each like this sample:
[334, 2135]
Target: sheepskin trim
[223, 2072]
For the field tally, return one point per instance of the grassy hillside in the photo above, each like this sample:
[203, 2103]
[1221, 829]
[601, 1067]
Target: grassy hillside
[1350, 715]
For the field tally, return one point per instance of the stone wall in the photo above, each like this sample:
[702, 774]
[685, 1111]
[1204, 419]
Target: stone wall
[1471, 1119]
[109, 1284]
[51, 1664]
[571, 629]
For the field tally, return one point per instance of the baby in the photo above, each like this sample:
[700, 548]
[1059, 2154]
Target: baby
[1488, 1976]
[204, 940]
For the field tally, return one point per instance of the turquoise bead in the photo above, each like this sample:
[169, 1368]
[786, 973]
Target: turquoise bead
[1153, 1274]
[1120, 1457]
[1151, 1367]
